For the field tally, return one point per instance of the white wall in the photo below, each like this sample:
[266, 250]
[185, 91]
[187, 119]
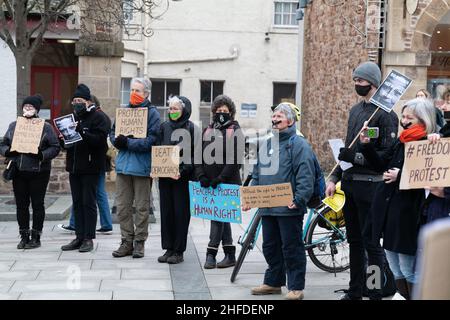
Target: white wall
[8, 89]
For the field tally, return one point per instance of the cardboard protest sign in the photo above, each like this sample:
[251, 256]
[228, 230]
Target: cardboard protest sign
[426, 165]
[165, 162]
[391, 90]
[131, 122]
[220, 204]
[66, 125]
[269, 196]
[27, 135]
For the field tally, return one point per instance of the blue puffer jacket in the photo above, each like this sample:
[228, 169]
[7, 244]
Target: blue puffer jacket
[136, 159]
[296, 165]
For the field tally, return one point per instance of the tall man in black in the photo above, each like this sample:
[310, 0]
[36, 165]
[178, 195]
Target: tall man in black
[360, 181]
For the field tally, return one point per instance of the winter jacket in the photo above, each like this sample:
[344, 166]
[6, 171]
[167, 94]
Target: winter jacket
[396, 213]
[88, 156]
[295, 165]
[388, 128]
[49, 146]
[136, 159]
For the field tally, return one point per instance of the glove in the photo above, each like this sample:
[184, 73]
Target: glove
[11, 154]
[204, 182]
[121, 142]
[347, 155]
[130, 136]
[215, 182]
[40, 155]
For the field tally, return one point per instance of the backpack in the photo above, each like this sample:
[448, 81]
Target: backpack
[319, 181]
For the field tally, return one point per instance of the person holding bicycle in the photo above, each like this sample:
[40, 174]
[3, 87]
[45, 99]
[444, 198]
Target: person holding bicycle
[283, 248]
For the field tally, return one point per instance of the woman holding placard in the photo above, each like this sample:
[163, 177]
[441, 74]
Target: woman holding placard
[32, 175]
[397, 213]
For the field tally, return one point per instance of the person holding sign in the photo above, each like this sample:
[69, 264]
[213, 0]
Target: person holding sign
[33, 173]
[396, 213]
[283, 246]
[360, 181]
[133, 182]
[174, 191]
[221, 164]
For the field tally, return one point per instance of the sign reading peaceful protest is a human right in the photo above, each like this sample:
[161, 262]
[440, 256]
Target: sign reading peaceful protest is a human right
[426, 165]
[268, 196]
[131, 122]
[27, 135]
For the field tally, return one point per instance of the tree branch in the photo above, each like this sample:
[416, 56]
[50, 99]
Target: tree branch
[8, 7]
[5, 35]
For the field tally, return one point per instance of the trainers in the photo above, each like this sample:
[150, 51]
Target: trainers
[66, 228]
[295, 295]
[175, 258]
[165, 256]
[265, 289]
[104, 231]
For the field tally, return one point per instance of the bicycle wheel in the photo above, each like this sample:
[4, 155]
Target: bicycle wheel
[248, 244]
[327, 249]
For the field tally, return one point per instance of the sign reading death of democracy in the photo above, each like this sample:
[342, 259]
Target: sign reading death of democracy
[426, 165]
[268, 196]
[220, 204]
[131, 122]
[165, 162]
[27, 135]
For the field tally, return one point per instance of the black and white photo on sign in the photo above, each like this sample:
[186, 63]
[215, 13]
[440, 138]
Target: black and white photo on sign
[66, 125]
[391, 90]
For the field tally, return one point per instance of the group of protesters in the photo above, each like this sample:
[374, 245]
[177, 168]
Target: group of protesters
[375, 206]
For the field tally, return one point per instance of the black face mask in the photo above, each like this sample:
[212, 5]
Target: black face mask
[406, 126]
[362, 90]
[274, 123]
[79, 108]
[447, 117]
[222, 118]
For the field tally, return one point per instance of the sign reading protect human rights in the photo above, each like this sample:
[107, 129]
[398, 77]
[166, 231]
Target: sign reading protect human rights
[269, 196]
[131, 122]
[426, 165]
[391, 90]
[27, 135]
[165, 162]
[220, 204]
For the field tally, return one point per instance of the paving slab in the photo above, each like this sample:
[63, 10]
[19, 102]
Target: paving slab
[18, 275]
[143, 295]
[139, 285]
[55, 285]
[67, 295]
[84, 274]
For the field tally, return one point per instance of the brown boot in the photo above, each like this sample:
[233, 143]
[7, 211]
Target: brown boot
[139, 249]
[264, 289]
[125, 249]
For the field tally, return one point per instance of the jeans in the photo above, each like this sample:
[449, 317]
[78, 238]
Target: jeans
[402, 265]
[220, 232]
[102, 204]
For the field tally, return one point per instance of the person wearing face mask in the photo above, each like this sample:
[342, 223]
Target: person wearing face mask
[174, 192]
[283, 246]
[360, 181]
[33, 174]
[224, 168]
[133, 182]
[397, 213]
[424, 94]
[85, 160]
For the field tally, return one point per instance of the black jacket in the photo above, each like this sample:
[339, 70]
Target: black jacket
[388, 128]
[88, 156]
[396, 213]
[49, 146]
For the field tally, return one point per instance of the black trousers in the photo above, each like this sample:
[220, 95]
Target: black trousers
[26, 186]
[358, 223]
[84, 199]
[175, 214]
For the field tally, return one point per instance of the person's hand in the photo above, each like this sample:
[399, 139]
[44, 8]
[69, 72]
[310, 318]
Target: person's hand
[292, 206]
[121, 142]
[245, 208]
[11, 154]
[363, 135]
[177, 177]
[215, 182]
[347, 155]
[391, 175]
[204, 182]
[331, 189]
[434, 137]
[130, 136]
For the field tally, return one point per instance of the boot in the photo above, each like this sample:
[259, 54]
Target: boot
[210, 262]
[402, 288]
[24, 238]
[75, 244]
[125, 249]
[35, 241]
[139, 249]
[410, 286]
[230, 257]
[86, 246]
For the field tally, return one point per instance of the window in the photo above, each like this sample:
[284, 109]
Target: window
[283, 92]
[284, 13]
[162, 90]
[125, 91]
[209, 90]
[128, 7]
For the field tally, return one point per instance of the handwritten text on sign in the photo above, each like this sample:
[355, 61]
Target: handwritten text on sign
[165, 162]
[269, 196]
[27, 135]
[426, 165]
[220, 204]
[131, 122]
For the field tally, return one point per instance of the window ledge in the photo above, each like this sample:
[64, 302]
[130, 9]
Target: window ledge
[283, 29]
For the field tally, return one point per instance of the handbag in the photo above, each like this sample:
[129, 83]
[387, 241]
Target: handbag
[10, 171]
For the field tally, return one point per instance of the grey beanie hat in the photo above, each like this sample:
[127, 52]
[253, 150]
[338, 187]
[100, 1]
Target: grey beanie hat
[368, 71]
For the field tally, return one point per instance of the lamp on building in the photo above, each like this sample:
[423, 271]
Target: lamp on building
[303, 3]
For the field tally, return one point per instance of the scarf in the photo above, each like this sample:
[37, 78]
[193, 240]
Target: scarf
[413, 133]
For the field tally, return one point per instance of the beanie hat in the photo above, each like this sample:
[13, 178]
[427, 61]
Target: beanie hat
[82, 91]
[35, 101]
[368, 71]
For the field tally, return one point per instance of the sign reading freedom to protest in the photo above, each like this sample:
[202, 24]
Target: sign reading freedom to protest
[27, 135]
[220, 204]
[165, 162]
[391, 90]
[426, 165]
[275, 195]
[131, 122]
